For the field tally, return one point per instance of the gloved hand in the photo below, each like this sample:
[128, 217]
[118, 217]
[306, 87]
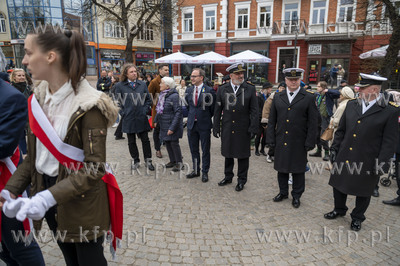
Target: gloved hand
[37, 206]
[309, 148]
[252, 135]
[332, 156]
[270, 145]
[12, 206]
[216, 133]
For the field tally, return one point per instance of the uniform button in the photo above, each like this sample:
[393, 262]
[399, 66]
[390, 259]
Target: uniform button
[233, 132]
[287, 120]
[287, 132]
[289, 108]
[83, 196]
[347, 161]
[351, 148]
[233, 122]
[359, 121]
[354, 135]
[233, 110]
[285, 144]
[77, 112]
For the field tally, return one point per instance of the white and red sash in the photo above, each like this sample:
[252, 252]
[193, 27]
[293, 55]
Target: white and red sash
[7, 169]
[71, 156]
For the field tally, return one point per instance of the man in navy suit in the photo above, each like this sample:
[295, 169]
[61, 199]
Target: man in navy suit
[13, 117]
[200, 100]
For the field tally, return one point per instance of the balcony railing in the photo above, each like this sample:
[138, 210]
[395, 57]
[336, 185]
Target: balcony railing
[299, 26]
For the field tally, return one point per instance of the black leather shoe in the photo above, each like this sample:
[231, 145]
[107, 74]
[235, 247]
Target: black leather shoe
[296, 202]
[170, 165]
[316, 154]
[376, 192]
[118, 138]
[394, 202]
[264, 153]
[355, 225]
[177, 167]
[257, 153]
[192, 175]
[150, 166]
[333, 215]
[204, 177]
[280, 197]
[239, 187]
[326, 157]
[224, 182]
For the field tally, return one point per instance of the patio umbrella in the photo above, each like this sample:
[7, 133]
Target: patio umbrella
[207, 58]
[247, 57]
[175, 58]
[376, 53]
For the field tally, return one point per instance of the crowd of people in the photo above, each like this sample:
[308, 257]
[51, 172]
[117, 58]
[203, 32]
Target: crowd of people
[68, 121]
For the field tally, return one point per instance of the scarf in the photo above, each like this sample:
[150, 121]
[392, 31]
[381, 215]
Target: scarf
[161, 101]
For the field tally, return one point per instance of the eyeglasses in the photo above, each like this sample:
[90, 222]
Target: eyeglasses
[193, 76]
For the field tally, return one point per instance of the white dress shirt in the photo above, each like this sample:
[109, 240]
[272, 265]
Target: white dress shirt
[291, 97]
[366, 107]
[58, 108]
[198, 92]
[233, 88]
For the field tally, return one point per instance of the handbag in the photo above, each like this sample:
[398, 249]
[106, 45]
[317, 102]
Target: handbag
[328, 133]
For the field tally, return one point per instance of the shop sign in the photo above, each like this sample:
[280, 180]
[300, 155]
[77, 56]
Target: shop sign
[111, 54]
[314, 48]
[146, 56]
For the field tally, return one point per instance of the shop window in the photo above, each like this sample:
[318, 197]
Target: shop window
[113, 29]
[2, 23]
[346, 10]
[318, 12]
[210, 19]
[188, 22]
[242, 18]
[265, 16]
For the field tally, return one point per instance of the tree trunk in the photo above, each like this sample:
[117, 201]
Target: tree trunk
[128, 49]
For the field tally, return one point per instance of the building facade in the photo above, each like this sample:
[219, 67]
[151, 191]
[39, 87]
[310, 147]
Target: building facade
[312, 34]
[105, 38]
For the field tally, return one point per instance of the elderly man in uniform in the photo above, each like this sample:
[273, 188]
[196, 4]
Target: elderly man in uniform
[292, 129]
[238, 102]
[364, 142]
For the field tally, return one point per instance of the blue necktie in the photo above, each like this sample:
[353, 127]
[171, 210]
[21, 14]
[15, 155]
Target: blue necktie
[132, 84]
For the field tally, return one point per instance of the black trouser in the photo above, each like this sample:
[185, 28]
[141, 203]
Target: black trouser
[118, 131]
[271, 151]
[174, 151]
[260, 137]
[361, 207]
[86, 253]
[156, 137]
[133, 150]
[396, 174]
[298, 185]
[324, 125]
[204, 137]
[243, 168]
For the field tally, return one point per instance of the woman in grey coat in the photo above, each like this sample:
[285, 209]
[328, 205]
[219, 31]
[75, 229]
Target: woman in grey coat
[169, 115]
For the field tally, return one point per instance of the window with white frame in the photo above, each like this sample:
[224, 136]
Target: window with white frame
[188, 21]
[346, 10]
[210, 19]
[2, 23]
[265, 16]
[107, 1]
[146, 34]
[113, 29]
[242, 18]
[318, 12]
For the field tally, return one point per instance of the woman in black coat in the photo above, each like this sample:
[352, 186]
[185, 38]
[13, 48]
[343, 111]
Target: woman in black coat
[169, 115]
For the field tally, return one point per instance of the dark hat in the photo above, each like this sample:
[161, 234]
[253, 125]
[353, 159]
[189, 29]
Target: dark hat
[293, 72]
[236, 68]
[267, 85]
[343, 81]
[282, 84]
[366, 80]
[226, 77]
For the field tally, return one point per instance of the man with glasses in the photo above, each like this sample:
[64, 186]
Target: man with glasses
[200, 99]
[292, 129]
[237, 100]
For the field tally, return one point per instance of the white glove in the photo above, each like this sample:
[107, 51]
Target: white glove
[37, 206]
[12, 206]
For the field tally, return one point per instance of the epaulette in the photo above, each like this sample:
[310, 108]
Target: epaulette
[310, 91]
[393, 104]
[249, 82]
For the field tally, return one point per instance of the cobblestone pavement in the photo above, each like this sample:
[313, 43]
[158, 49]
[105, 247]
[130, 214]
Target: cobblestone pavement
[169, 219]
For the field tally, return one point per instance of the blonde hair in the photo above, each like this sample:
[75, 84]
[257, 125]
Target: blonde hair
[14, 74]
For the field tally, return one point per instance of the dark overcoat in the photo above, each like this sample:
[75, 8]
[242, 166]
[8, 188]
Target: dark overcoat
[204, 110]
[363, 141]
[292, 128]
[171, 118]
[135, 103]
[239, 119]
